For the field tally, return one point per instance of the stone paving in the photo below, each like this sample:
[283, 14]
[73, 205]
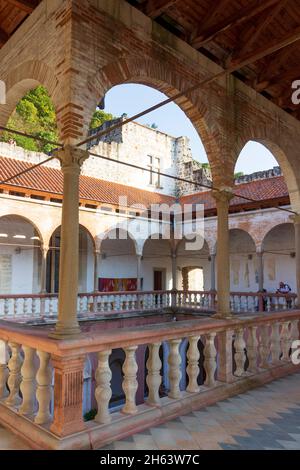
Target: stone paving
[265, 418]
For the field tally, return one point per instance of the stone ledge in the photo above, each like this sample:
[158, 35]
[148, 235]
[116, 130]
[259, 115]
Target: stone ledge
[123, 426]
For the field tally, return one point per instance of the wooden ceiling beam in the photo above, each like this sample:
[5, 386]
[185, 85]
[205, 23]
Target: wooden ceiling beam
[273, 65]
[212, 13]
[254, 31]
[155, 8]
[242, 15]
[291, 74]
[265, 50]
[25, 5]
[4, 37]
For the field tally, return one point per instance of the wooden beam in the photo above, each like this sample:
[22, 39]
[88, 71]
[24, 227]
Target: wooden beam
[291, 74]
[3, 37]
[212, 13]
[155, 8]
[242, 15]
[252, 34]
[273, 65]
[265, 50]
[25, 5]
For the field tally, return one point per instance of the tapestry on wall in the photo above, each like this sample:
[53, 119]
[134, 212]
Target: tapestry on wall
[117, 285]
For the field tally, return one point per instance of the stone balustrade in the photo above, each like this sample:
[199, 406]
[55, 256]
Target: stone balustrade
[41, 380]
[44, 307]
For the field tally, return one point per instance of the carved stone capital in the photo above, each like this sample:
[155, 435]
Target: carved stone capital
[223, 195]
[71, 158]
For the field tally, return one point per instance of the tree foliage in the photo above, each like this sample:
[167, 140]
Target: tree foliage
[35, 115]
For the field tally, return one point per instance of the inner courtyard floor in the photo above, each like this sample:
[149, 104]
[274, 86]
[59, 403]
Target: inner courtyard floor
[267, 418]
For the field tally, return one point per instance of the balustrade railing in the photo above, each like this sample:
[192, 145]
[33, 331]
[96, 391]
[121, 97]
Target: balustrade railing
[32, 367]
[45, 306]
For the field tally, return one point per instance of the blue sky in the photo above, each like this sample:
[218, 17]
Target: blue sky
[131, 99]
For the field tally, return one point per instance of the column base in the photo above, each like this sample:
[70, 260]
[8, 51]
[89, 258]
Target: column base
[65, 332]
[223, 316]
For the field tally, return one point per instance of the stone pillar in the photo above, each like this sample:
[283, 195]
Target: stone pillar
[296, 219]
[43, 277]
[68, 395]
[67, 325]
[174, 270]
[260, 270]
[222, 198]
[213, 272]
[96, 270]
[139, 271]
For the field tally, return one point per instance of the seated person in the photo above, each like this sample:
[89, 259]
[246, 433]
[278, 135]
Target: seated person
[285, 289]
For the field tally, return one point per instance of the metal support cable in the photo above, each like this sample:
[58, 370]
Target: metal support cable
[30, 136]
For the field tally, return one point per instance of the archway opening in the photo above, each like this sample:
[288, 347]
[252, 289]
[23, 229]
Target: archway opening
[20, 256]
[157, 267]
[193, 266]
[243, 262]
[86, 262]
[279, 257]
[118, 266]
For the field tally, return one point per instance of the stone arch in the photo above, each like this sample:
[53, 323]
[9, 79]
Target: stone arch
[100, 239]
[29, 221]
[24, 78]
[282, 149]
[161, 76]
[277, 227]
[247, 236]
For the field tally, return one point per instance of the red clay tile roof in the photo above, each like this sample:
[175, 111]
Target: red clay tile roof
[50, 180]
[260, 190]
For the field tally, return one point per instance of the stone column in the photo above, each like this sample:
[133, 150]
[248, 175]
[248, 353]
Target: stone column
[174, 270]
[43, 277]
[296, 219]
[213, 272]
[96, 270]
[222, 198]
[260, 267]
[67, 325]
[139, 271]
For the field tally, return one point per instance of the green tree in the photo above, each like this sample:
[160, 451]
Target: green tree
[35, 115]
[99, 118]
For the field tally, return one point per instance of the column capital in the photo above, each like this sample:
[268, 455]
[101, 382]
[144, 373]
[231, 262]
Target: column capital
[71, 158]
[224, 194]
[295, 219]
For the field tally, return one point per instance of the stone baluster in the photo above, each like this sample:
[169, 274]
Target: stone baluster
[239, 356]
[275, 344]
[34, 307]
[294, 330]
[16, 307]
[51, 306]
[26, 307]
[174, 361]
[285, 341]
[6, 307]
[14, 379]
[44, 388]
[42, 307]
[264, 346]
[4, 373]
[153, 378]
[210, 354]
[103, 390]
[130, 384]
[28, 384]
[193, 356]
[252, 347]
